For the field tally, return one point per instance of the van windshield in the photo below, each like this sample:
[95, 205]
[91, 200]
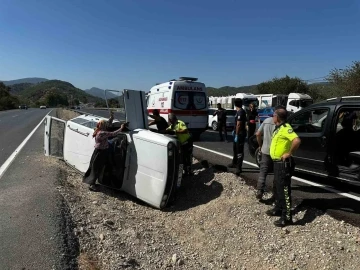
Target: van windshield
[186, 100]
[305, 102]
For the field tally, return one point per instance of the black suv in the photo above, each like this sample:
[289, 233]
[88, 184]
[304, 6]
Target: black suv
[330, 138]
[23, 107]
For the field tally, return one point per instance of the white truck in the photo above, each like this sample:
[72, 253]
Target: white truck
[293, 102]
[227, 102]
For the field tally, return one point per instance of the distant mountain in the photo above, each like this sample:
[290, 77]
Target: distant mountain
[25, 80]
[97, 92]
[55, 92]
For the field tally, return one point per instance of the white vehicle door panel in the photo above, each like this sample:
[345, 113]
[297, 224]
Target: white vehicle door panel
[79, 146]
[147, 170]
[54, 136]
[135, 107]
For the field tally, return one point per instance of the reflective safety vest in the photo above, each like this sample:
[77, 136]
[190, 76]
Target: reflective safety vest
[180, 125]
[281, 141]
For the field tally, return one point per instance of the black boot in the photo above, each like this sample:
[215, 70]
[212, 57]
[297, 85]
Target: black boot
[274, 212]
[282, 222]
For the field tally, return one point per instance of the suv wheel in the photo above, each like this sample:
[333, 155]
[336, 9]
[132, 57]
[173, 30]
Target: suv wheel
[214, 125]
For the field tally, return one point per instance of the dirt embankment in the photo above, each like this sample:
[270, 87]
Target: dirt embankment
[216, 223]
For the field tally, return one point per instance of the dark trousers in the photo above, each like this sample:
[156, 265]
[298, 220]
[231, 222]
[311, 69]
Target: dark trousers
[222, 128]
[187, 151]
[96, 166]
[251, 129]
[238, 150]
[266, 166]
[282, 177]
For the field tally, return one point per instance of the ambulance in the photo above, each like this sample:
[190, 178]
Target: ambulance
[186, 98]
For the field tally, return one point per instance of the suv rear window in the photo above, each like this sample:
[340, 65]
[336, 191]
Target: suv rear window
[186, 100]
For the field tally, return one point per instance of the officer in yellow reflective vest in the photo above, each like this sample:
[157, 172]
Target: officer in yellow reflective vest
[283, 144]
[182, 133]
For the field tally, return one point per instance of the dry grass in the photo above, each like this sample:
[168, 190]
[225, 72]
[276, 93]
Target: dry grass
[66, 114]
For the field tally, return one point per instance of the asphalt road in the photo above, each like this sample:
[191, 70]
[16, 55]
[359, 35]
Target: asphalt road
[305, 194]
[15, 126]
[35, 228]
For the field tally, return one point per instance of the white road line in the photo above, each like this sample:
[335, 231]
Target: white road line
[11, 158]
[350, 196]
[15, 115]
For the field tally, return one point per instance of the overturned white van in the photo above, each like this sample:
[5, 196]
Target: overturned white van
[145, 164]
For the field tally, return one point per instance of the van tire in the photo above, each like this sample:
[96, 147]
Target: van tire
[214, 125]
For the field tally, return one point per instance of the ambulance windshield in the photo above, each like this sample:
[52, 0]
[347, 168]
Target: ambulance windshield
[187, 100]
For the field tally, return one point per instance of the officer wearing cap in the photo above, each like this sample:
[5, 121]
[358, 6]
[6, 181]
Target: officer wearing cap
[182, 133]
[283, 144]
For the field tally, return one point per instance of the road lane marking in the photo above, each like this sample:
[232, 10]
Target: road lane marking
[327, 188]
[11, 158]
[15, 115]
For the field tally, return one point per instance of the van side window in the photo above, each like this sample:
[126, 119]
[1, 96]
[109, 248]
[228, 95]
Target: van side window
[312, 121]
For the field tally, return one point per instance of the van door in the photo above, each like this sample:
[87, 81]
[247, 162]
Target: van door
[135, 108]
[312, 127]
[54, 136]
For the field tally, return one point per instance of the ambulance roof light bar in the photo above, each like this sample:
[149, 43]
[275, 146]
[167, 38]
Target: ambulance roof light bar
[188, 79]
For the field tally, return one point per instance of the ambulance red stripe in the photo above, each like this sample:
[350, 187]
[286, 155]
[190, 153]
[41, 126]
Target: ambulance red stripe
[180, 112]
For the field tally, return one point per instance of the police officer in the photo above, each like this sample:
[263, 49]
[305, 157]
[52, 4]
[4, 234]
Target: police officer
[221, 118]
[182, 133]
[284, 143]
[159, 121]
[239, 134]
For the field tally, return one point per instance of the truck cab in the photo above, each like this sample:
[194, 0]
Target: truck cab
[297, 102]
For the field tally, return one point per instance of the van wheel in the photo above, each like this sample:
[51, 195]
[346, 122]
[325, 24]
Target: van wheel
[214, 125]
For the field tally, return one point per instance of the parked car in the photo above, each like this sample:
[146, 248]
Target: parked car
[329, 133]
[213, 121]
[265, 113]
[23, 107]
[142, 163]
[42, 107]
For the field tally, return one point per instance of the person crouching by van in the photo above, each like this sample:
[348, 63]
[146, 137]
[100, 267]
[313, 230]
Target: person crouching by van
[183, 136]
[100, 154]
[239, 134]
[159, 121]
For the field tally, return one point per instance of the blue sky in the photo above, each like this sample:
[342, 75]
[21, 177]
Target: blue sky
[137, 43]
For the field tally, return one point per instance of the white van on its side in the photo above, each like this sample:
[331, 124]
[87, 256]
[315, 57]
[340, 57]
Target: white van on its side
[186, 98]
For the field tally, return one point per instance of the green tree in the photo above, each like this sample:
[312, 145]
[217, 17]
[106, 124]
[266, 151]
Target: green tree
[284, 85]
[7, 101]
[347, 80]
[55, 100]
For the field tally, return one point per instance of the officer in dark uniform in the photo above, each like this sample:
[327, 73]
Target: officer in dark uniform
[159, 121]
[239, 134]
[221, 119]
[283, 144]
[182, 134]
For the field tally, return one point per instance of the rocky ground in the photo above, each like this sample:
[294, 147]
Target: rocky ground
[216, 223]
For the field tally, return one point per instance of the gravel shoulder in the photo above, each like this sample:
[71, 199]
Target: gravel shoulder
[215, 223]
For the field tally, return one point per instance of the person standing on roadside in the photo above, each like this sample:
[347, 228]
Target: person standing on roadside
[283, 144]
[101, 153]
[252, 116]
[239, 137]
[221, 119]
[263, 137]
